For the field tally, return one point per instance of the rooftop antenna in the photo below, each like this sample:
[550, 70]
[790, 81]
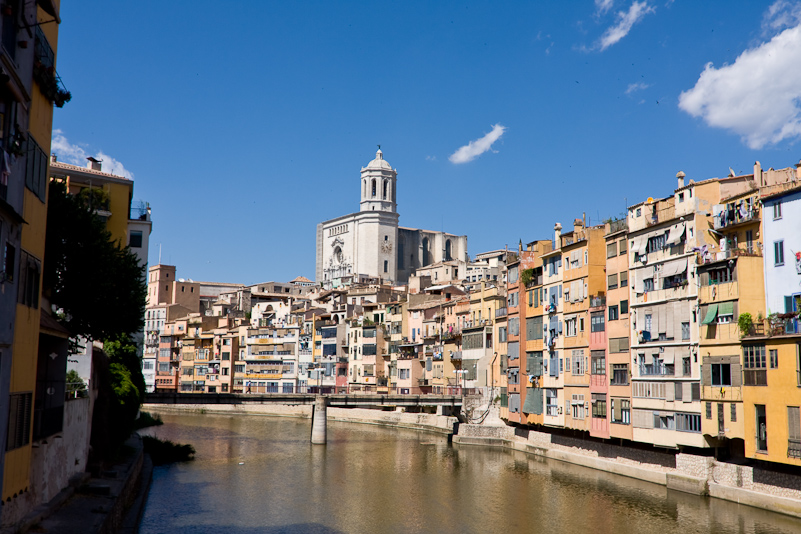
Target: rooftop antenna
[159, 253]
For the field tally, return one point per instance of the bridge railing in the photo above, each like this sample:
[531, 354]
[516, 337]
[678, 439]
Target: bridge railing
[359, 390]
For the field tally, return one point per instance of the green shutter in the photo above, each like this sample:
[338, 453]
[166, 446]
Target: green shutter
[726, 308]
[711, 313]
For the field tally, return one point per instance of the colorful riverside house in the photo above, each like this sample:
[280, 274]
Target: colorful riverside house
[398, 330]
[29, 408]
[445, 378]
[772, 348]
[513, 336]
[584, 280]
[666, 381]
[533, 316]
[553, 364]
[169, 355]
[478, 350]
[498, 382]
[610, 321]
[731, 283]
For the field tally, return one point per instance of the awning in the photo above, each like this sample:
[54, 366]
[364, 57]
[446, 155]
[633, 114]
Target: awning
[640, 244]
[533, 403]
[668, 357]
[711, 313]
[672, 268]
[676, 231]
[726, 308]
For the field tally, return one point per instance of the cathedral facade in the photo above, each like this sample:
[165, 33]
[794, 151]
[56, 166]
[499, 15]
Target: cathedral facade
[370, 242]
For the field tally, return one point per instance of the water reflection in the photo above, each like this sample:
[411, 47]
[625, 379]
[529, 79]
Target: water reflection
[373, 479]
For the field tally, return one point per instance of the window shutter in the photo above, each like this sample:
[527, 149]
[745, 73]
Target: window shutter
[706, 373]
[696, 391]
[677, 386]
[788, 304]
[793, 423]
[736, 372]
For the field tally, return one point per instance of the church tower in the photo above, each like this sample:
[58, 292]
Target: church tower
[378, 185]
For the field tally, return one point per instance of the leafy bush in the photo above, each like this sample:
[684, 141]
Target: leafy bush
[146, 419]
[745, 322]
[164, 451]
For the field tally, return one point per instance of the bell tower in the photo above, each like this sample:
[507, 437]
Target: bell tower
[378, 185]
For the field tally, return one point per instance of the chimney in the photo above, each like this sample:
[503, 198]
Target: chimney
[680, 177]
[557, 234]
[94, 164]
[758, 173]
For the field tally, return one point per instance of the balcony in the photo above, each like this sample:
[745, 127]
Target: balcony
[617, 226]
[782, 324]
[733, 217]
[660, 215]
[598, 301]
[456, 355]
[656, 370]
[500, 312]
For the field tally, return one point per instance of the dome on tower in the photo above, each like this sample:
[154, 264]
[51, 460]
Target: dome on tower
[379, 162]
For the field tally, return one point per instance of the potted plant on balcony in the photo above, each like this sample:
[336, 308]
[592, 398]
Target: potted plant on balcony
[746, 324]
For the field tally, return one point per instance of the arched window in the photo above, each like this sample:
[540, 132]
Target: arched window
[386, 187]
[425, 252]
[386, 264]
[365, 187]
[448, 250]
[373, 188]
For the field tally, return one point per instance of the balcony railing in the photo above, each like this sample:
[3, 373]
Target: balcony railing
[656, 370]
[500, 312]
[597, 301]
[616, 226]
[734, 217]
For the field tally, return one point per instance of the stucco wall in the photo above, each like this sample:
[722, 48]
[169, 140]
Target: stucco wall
[54, 461]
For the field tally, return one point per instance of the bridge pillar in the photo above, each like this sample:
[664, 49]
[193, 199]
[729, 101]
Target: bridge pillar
[319, 420]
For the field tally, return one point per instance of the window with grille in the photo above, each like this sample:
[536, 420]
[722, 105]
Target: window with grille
[19, 420]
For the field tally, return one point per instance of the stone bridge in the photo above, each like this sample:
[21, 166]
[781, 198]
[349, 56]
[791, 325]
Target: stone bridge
[320, 402]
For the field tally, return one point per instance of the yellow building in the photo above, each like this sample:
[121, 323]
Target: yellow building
[32, 100]
[731, 283]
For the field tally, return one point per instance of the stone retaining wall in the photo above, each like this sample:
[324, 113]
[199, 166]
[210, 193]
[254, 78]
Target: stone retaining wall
[699, 475]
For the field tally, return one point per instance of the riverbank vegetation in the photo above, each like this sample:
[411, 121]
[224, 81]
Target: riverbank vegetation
[147, 419]
[97, 288]
[163, 451]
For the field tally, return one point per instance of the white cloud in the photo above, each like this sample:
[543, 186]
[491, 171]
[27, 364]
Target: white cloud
[602, 6]
[634, 87]
[757, 97]
[780, 15]
[624, 24]
[473, 149]
[77, 154]
[431, 158]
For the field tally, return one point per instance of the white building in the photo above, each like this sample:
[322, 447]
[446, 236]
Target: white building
[781, 219]
[371, 243]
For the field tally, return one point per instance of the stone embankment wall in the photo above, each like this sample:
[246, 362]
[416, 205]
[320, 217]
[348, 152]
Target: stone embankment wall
[701, 475]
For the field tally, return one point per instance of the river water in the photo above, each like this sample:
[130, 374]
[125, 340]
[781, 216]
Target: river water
[256, 474]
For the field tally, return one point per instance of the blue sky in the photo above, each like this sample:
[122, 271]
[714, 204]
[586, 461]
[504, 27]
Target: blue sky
[245, 123]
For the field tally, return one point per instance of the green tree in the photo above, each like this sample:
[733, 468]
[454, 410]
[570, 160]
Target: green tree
[99, 286]
[97, 283]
